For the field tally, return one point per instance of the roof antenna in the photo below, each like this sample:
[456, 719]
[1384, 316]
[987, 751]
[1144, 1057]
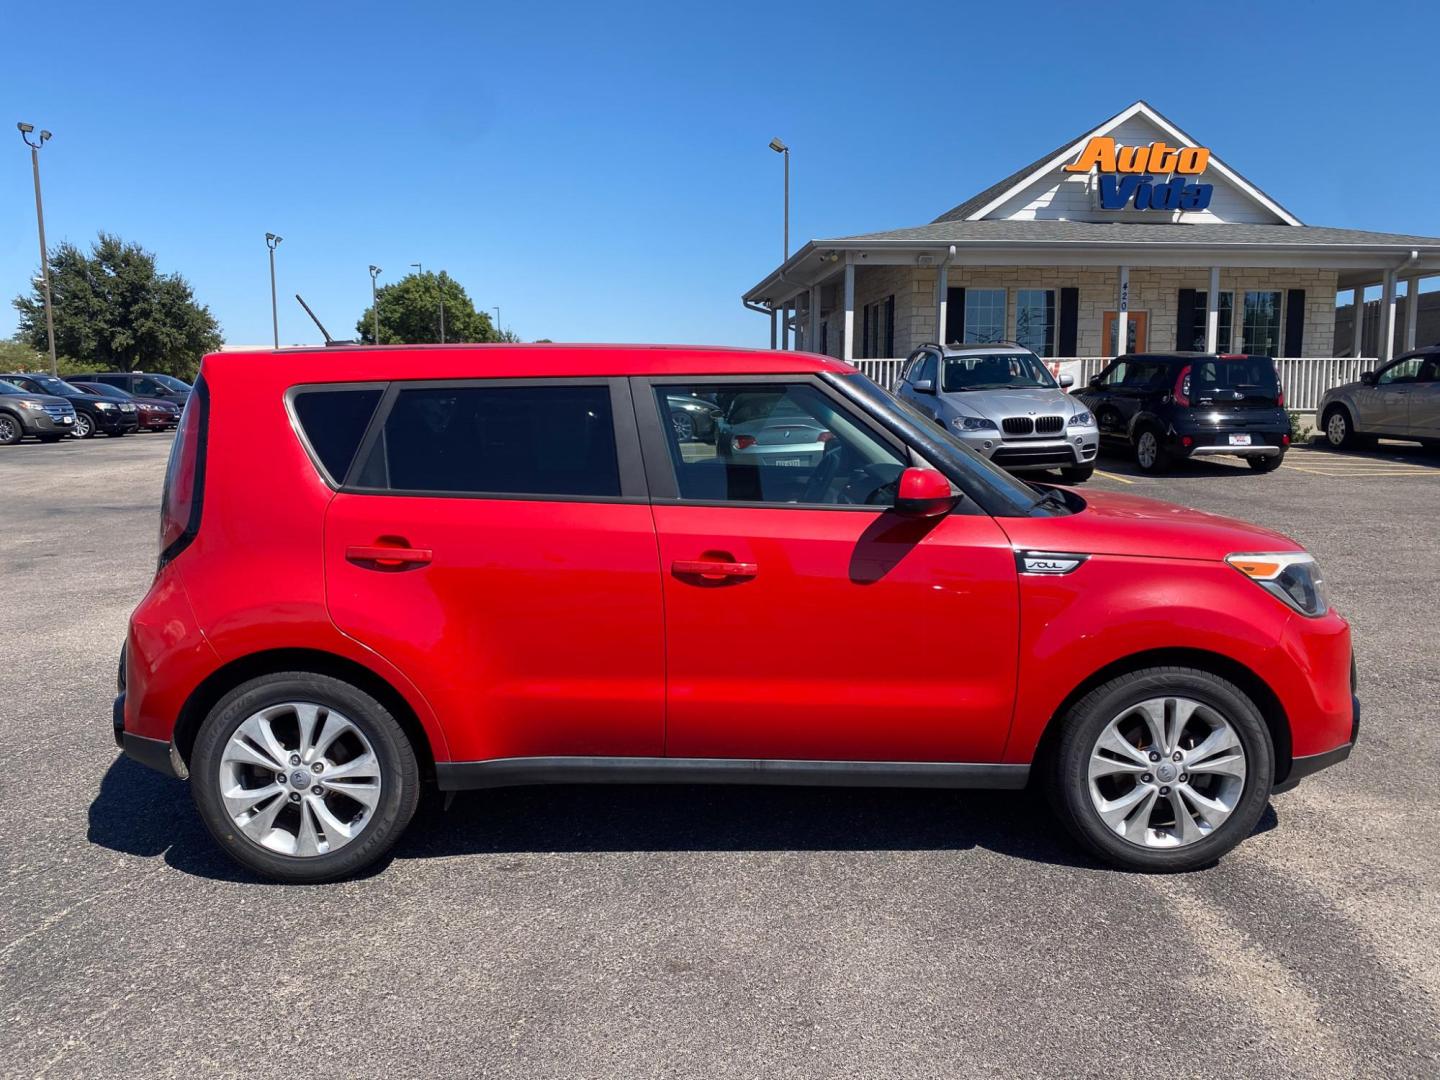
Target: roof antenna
[328, 339]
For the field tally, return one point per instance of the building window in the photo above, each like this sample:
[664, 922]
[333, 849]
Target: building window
[984, 315]
[1262, 323]
[1035, 320]
[877, 336]
[1227, 321]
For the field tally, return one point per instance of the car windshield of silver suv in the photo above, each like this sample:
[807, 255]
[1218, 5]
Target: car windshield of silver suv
[995, 371]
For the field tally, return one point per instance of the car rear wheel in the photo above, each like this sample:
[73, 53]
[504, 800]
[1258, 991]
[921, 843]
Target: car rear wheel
[1268, 463]
[303, 778]
[84, 426]
[1078, 474]
[1150, 454]
[10, 430]
[1163, 769]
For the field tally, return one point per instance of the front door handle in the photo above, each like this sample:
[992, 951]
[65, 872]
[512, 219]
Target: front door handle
[714, 569]
[384, 557]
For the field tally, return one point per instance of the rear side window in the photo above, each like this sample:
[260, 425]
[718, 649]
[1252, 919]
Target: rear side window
[334, 421]
[498, 440]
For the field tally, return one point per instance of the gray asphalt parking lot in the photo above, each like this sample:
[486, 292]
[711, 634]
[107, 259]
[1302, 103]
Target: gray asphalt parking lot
[714, 932]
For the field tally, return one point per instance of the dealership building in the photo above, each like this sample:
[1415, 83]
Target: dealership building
[1132, 232]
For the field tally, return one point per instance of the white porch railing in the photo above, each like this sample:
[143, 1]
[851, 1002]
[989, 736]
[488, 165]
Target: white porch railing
[1305, 378]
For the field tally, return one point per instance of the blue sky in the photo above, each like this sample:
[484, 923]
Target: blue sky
[600, 172]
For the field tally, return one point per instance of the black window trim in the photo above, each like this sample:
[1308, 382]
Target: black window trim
[627, 444]
[660, 469]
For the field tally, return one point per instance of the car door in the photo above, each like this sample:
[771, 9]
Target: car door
[1424, 414]
[493, 540]
[1385, 407]
[1112, 400]
[806, 620]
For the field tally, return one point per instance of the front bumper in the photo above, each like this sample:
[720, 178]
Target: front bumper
[1076, 448]
[44, 423]
[110, 421]
[1310, 764]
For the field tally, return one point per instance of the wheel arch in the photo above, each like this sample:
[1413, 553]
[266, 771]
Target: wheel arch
[224, 679]
[1251, 684]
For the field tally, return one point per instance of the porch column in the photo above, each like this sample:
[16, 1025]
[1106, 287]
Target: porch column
[1212, 312]
[942, 292]
[1387, 317]
[814, 324]
[847, 351]
[1412, 310]
[1359, 320]
[1122, 314]
[785, 326]
[772, 330]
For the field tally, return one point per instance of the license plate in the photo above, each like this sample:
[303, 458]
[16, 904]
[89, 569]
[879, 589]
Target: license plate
[1239, 440]
[67, 420]
[793, 462]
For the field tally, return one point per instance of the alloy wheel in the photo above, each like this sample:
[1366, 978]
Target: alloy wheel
[1147, 450]
[684, 426]
[299, 779]
[9, 430]
[1335, 429]
[83, 426]
[1166, 772]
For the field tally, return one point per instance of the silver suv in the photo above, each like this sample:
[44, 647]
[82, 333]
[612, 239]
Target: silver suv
[1002, 401]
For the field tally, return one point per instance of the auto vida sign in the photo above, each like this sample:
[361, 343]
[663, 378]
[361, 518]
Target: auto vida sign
[1131, 176]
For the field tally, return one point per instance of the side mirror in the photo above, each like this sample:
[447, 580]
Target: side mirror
[924, 493]
[1067, 381]
[1095, 381]
[924, 386]
[1368, 378]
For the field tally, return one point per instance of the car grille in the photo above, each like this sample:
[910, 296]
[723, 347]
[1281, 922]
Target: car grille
[1026, 425]
[57, 411]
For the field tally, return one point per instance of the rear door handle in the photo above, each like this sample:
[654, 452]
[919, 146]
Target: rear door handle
[383, 557]
[713, 569]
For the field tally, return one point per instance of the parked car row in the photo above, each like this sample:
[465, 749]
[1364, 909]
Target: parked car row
[1161, 408]
[115, 403]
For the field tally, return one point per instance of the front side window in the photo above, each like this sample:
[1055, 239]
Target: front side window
[995, 371]
[1406, 371]
[1226, 321]
[500, 440]
[984, 315]
[1035, 320]
[1261, 328]
[785, 443]
[1136, 374]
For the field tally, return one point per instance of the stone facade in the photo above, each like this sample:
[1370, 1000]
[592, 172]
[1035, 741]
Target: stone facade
[1153, 290]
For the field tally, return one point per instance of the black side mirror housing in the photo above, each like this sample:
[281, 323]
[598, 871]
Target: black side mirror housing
[1095, 380]
[1368, 378]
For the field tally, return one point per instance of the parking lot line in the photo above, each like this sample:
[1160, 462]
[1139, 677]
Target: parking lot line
[1402, 471]
[1112, 476]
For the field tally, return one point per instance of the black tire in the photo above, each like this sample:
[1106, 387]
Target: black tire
[1067, 770]
[1077, 474]
[84, 426]
[399, 776]
[50, 438]
[1269, 463]
[116, 434]
[1152, 459]
[11, 430]
[1338, 428]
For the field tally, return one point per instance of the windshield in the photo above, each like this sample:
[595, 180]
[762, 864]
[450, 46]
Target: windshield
[997, 491]
[104, 390]
[1245, 378]
[172, 382]
[995, 371]
[51, 385]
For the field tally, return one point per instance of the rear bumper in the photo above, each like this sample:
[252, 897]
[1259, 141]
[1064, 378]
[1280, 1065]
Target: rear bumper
[157, 754]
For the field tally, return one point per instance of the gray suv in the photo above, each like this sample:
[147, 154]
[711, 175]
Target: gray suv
[1001, 400]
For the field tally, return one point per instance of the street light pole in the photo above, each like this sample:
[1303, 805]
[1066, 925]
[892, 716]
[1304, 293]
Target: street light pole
[272, 242]
[780, 148]
[497, 320]
[375, 301]
[25, 130]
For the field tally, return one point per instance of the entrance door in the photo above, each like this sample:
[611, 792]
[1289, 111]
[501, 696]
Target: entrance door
[1138, 337]
[805, 620]
[490, 545]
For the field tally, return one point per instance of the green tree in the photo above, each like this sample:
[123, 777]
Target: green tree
[115, 310]
[410, 313]
[17, 355]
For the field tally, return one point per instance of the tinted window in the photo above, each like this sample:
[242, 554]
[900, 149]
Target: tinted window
[1404, 371]
[782, 443]
[335, 421]
[1250, 378]
[1138, 373]
[519, 440]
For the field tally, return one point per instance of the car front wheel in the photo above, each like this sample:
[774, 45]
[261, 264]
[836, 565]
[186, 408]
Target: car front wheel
[303, 778]
[1339, 432]
[1164, 769]
[84, 426]
[10, 430]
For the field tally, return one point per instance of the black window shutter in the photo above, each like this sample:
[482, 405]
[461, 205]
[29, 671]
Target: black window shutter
[954, 316]
[889, 326]
[1185, 322]
[1069, 322]
[1294, 322]
[864, 350]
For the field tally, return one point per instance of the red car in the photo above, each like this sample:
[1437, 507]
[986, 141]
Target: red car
[482, 566]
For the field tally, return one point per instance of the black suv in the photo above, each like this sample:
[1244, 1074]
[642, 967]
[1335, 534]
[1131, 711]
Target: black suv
[1166, 407]
[92, 412]
[143, 384]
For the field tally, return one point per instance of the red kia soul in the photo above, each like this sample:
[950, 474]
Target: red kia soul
[478, 566]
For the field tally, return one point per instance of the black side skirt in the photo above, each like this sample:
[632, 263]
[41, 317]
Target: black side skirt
[516, 772]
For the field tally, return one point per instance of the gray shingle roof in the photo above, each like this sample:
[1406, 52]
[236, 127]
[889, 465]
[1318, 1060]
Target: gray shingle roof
[969, 206]
[1217, 234]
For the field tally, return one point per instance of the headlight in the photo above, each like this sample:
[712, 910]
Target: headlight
[25, 403]
[1292, 576]
[1081, 419]
[103, 405]
[972, 423]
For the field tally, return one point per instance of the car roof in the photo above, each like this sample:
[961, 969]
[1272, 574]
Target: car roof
[1010, 347]
[515, 361]
[1190, 358]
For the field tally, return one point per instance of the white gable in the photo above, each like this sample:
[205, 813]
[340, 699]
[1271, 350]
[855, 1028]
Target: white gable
[1053, 194]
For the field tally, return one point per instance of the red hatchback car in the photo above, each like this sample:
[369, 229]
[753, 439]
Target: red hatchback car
[478, 566]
